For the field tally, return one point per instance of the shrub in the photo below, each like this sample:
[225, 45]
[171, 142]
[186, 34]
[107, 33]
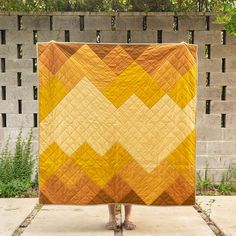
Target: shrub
[16, 169]
[228, 179]
[227, 185]
[204, 184]
[14, 188]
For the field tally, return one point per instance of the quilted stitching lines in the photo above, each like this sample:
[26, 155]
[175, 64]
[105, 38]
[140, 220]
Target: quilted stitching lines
[117, 123]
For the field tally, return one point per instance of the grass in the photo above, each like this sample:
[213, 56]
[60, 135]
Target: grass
[227, 186]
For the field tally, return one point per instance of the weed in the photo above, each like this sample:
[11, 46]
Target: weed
[16, 169]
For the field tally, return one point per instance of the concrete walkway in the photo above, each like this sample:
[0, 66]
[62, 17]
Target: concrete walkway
[171, 221]
[69, 220]
[13, 211]
[222, 212]
[90, 220]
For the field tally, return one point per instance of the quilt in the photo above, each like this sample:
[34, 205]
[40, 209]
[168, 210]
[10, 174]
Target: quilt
[117, 123]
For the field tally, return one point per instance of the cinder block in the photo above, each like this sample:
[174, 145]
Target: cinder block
[231, 120]
[15, 93]
[35, 134]
[11, 51]
[29, 107]
[201, 148]
[230, 64]
[46, 36]
[219, 78]
[223, 107]
[8, 78]
[26, 132]
[201, 161]
[189, 22]
[14, 132]
[18, 120]
[230, 39]
[129, 23]
[97, 22]
[19, 37]
[174, 36]
[88, 36]
[143, 36]
[114, 36]
[209, 121]
[214, 174]
[160, 23]
[209, 93]
[29, 51]
[201, 107]
[4, 50]
[221, 148]
[215, 162]
[29, 79]
[206, 65]
[209, 134]
[231, 93]
[8, 22]
[201, 51]
[207, 37]
[8, 106]
[201, 80]
[23, 65]
[62, 23]
[223, 51]
[229, 133]
[35, 149]
[1, 136]
[36, 22]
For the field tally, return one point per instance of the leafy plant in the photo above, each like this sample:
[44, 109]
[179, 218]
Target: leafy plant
[228, 16]
[204, 184]
[23, 158]
[14, 188]
[6, 165]
[208, 211]
[225, 188]
[16, 169]
[226, 185]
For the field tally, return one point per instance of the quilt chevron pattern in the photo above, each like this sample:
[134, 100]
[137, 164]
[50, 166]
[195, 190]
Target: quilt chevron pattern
[117, 123]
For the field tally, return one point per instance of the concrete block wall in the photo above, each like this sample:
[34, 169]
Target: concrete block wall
[216, 125]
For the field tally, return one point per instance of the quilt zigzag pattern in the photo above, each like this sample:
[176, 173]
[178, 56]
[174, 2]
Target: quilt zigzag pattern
[117, 123]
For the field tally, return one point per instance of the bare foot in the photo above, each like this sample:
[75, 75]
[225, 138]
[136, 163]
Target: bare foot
[129, 225]
[112, 225]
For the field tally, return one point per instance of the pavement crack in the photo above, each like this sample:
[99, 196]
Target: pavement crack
[119, 232]
[212, 225]
[20, 229]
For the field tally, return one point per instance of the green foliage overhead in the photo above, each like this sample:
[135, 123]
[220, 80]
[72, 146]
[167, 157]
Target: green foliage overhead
[228, 16]
[116, 5]
[227, 8]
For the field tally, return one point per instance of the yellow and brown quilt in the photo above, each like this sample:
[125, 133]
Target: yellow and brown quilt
[117, 123]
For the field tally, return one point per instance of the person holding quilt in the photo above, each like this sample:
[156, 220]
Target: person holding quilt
[112, 223]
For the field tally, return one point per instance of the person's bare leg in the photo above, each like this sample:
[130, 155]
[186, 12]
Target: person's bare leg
[128, 208]
[128, 224]
[112, 213]
[112, 224]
